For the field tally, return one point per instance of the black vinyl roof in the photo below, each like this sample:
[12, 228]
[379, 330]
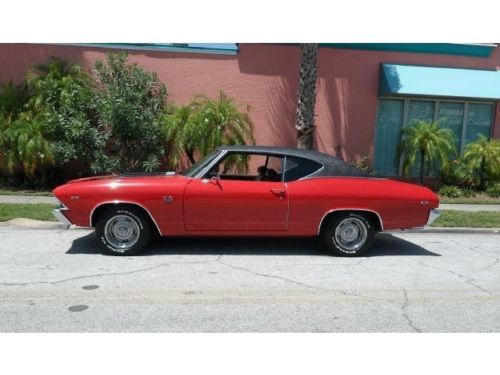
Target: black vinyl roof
[332, 166]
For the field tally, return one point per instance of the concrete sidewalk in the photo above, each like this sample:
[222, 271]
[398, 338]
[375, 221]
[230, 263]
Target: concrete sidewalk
[470, 207]
[27, 199]
[52, 200]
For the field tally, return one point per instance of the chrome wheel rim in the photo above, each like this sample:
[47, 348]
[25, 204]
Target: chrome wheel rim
[351, 234]
[121, 232]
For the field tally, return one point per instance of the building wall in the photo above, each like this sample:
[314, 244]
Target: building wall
[265, 76]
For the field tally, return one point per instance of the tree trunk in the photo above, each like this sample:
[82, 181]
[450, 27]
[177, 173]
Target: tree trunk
[190, 155]
[422, 165]
[482, 168]
[306, 96]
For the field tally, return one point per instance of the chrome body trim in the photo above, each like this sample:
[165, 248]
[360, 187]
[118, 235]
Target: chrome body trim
[433, 215]
[124, 202]
[57, 212]
[351, 209]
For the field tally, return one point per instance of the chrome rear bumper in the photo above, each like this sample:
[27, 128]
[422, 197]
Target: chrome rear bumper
[60, 216]
[433, 215]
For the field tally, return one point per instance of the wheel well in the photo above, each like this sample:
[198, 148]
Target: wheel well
[103, 207]
[374, 217]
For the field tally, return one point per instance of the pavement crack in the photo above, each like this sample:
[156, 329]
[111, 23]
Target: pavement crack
[490, 265]
[218, 260]
[147, 269]
[466, 279]
[288, 280]
[404, 308]
[496, 260]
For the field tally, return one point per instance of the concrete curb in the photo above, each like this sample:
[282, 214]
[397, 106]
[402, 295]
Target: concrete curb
[453, 230]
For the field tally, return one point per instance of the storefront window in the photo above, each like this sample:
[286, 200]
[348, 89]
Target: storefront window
[420, 110]
[394, 114]
[389, 124]
[451, 116]
[479, 119]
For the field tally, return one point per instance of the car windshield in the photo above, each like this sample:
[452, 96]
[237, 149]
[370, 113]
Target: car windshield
[197, 167]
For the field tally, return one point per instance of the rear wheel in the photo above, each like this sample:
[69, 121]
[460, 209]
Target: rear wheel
[123, 230]
[348, 234]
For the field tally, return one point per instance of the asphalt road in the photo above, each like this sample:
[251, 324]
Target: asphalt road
[57, 281]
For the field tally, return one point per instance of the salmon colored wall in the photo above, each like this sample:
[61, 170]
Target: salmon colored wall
[266, 77]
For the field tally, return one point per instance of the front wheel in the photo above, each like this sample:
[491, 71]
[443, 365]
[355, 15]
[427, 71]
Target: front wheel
[348, 234]
[123, 230]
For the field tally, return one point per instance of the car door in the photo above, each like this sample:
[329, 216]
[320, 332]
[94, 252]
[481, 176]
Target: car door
[236, 203]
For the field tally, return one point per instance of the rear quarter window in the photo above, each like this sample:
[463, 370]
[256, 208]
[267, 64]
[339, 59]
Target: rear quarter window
[296, 168]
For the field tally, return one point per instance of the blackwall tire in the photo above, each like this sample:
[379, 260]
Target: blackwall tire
[348, 234]
[123, 230]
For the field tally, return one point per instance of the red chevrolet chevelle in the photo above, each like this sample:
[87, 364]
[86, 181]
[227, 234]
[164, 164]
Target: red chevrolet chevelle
[247, 191]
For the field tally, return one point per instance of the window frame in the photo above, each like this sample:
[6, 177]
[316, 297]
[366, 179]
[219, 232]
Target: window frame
[227, 153]
[321, 166]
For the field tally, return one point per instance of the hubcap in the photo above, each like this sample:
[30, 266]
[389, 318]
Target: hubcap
[351, 234]
[121, 232]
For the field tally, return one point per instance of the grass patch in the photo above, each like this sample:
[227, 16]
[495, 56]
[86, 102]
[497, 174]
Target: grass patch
[32, 193]
[38, 211]
[481, 219]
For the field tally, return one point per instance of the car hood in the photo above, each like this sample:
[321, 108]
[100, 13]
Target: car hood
[124, 176]
[115, 185]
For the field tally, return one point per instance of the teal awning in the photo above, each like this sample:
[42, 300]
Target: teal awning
[411, 80]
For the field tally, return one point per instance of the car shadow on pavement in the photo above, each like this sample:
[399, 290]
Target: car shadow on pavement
[384, 244]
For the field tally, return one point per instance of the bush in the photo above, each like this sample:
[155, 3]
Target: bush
[450, 191]
[482, 159]
[129, 102]
[61, 97]
[458, 175]
[494, 190]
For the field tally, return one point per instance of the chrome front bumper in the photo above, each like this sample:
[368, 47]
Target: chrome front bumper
[433, 215]
[60, 216]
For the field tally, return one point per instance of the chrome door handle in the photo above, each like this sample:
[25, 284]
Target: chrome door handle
[278, 192]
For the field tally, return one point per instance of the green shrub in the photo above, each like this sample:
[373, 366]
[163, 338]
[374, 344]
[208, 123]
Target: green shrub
[458, 174]
[129, 102]
[450, 191]
[61, 97]
[482, 159]
[468, 192]
[494, 190]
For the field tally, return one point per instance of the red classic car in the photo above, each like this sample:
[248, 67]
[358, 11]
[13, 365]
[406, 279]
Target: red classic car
[247, 191]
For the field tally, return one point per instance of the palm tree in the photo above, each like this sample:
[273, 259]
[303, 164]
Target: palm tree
[306, 95]
[483, 157]
[427, 141]
[12, 99]
[177, 128]
[24, 147]
[195, 129]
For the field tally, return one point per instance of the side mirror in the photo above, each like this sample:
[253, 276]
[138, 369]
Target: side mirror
[215, 180]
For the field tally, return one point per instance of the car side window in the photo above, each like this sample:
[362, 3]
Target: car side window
[249, 167]
[297, 168]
